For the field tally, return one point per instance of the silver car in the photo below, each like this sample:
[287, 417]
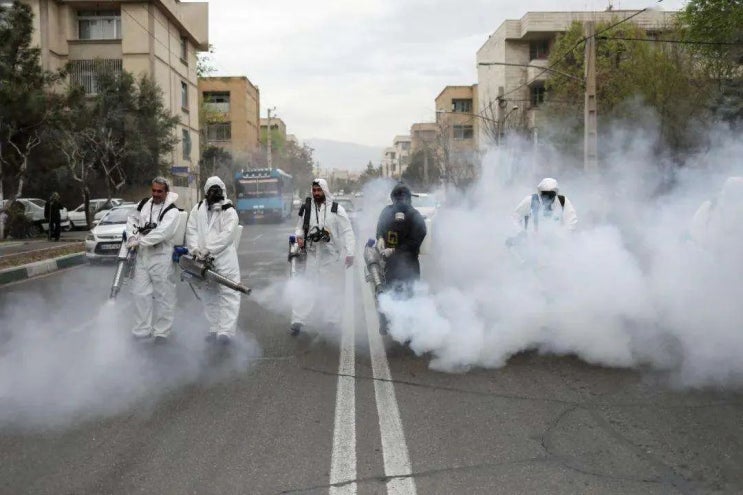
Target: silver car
[104, 241]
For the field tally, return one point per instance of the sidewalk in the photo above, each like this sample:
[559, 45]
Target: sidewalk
[25, 258]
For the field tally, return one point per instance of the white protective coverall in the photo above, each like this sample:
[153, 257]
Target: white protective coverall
[562, 216]
[154, 272]
[718, 223]
[212, 230]
[324, 270]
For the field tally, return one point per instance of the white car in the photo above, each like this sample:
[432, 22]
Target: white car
[426, 204]
[104, 241]
[34, 210]
[98, 207]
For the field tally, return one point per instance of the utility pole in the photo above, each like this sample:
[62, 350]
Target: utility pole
[501, 115]
[425, 165]
[590, 136]
[269, 162]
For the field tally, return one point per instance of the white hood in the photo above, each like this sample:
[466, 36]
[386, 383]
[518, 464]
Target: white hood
[215, 181]
[547, 184]
[325, 189]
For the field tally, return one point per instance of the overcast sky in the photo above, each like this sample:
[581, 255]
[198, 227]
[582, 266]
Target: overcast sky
[363, 70]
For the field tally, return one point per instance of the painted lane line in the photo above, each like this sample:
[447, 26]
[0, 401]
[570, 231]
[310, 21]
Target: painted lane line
[394, 449]
[343, 460]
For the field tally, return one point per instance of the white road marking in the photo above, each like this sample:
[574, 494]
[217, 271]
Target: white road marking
[394, 449]
[256, 237]
[343, 460]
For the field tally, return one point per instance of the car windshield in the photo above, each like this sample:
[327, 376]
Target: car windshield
[426, 201]
[38, 202]
[117, 215]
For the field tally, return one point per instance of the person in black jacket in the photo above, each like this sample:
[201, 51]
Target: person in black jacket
[53, 215]
[400, 233]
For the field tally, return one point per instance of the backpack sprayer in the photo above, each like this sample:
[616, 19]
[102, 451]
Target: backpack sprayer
[296, 254]
[202, 270]
[126, 259]
[373, 260]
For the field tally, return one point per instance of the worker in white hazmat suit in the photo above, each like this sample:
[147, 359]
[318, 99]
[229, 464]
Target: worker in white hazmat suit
[545, 209]
[325, 232]
[718, 223]
[151, 230]
[211, 231]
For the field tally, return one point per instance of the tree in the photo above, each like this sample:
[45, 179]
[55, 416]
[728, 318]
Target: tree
[26, 104]
[370, 173]
[718, 24]
[661, 76]
[217, 161]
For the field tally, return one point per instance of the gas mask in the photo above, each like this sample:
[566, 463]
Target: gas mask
[214, 195]
[548, 198]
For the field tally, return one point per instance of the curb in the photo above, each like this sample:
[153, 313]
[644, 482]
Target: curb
[42, 267]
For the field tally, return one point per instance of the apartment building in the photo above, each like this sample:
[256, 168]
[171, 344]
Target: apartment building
[423, 135]
[231, 108]
[510, 64]
[159, 38]
[457, 117]
[389, 162]
[278, 129]
[402, 145]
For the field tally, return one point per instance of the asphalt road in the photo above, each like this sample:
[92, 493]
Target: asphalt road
[85, 410]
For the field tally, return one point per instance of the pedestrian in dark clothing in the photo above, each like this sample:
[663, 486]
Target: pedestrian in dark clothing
[53, 215]
[400, 233]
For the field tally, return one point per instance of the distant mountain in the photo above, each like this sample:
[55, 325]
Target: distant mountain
[345, 156]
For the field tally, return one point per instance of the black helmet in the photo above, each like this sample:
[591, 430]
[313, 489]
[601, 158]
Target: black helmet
[401, 192]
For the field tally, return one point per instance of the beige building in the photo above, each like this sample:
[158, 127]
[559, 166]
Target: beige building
[512, 93]
[402, 146]
[278, 128]
[456, 108]
[389, 162]
[423, 135]
[231, 106]
[159, 38]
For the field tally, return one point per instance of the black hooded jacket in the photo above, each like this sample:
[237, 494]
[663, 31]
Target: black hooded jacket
[402, 227]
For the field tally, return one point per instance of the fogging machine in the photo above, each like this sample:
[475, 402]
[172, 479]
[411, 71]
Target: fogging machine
[125, 261]
[296, 255]
[374, 266]
[202, 270]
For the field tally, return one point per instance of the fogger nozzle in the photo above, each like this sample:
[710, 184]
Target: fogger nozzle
[373, 261]
[124, 267]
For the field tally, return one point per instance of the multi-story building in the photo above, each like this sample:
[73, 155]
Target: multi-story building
[231, 108]
[278, 129]
[456, 108]
[423, 135]
[157, 38]
[511, 63]
[402, 153]
[389, 162]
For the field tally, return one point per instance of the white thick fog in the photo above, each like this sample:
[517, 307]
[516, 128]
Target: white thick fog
[629, 288]
[53, 375]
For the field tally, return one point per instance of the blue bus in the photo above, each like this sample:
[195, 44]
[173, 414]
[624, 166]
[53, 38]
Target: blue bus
[264, 194]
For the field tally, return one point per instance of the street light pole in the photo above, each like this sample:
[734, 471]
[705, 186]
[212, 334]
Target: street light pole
[269, 159]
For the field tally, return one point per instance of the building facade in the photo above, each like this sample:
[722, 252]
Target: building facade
[457, 117]
[157, 38]
[231, 110]
[510, 64]
[402, 145]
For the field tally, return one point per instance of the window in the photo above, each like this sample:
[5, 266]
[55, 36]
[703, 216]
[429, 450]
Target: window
[184, 50]
[539, 49]
[186, 145]
[405, 146]
[217, 101]
[184, 95]
[219, 132]
[537, 95]
[462, 105]
[463, 132]
[83, 72]
[99, 24]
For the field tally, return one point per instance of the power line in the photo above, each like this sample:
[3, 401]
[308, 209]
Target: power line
[682, 42]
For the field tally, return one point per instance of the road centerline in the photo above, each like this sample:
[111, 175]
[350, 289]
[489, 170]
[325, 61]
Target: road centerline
[343, 457]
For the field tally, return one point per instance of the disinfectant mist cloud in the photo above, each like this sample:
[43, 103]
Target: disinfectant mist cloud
[628, 288]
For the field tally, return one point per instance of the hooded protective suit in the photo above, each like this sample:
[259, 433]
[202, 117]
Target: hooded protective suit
[211, 231]
[718, 223]
[324, 267]
[536, 211]
[154, 273]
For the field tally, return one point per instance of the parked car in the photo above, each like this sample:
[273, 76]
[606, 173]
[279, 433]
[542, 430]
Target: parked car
[350, 208]
[104, 240]
[98, 208]
[34, 211]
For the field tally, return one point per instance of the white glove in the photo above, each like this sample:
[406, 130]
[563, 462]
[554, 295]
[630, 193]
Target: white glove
[387, 252]
[200, 253]
[132, 242]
